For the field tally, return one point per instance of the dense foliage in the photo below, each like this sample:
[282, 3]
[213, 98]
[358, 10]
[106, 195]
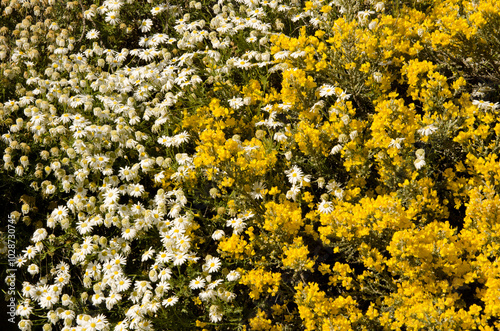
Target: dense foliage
[251, 164]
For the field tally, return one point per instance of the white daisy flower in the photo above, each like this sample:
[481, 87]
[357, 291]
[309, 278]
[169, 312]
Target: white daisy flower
[258, 190]
[165, 274]
[29, 252]
[24, 310]
[48, 299]
[112, 17]
[156, 10]
[326, 90]
[146, 25]
[212, 265]
[281, 55]
[236, 223]
[135, 190]
[67, 314]
[293, 192]
[111, 196]
[242, 64]
[50, 189]
[83, 227]
[180, 259]
[122, 284]
[88, 14]
[294, 175]
[92, 34]
[170, 301]
[337, 148]
[181, 138]
[129, 233]
[396, 143]
[159, 38]
[112, 300]
[25, 325]
[197, 283]
[215, 314]
[97, 299]
[280, 136]
[126, 173]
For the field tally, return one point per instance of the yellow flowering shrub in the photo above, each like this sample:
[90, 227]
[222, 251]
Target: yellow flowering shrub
[296, 256]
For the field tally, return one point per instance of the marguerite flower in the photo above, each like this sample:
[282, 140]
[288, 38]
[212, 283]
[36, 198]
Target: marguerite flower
[294, 175]
[121, 284]
[112, 18]
[48, 299]
[419, 163]
[197, 283]
[181, 138]
[170, 301]
[33, 269]
[24, 310]
[212, 265]
[215, 314]
[148, 254]
[92, 34]
[146, 25]
[326, 90]
[156, 10]
[135, 190]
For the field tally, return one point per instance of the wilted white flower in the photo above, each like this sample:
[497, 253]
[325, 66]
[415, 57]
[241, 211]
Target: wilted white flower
[325, 207]
[396, 143]
[236, 103]
[337, 148]
[218, 234]
[215, 314]
[419, 163]
[233, 276]
[427, 130]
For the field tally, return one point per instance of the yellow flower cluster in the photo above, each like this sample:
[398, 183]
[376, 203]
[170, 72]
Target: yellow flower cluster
[319, 312]
[261, 282]
[296, 256]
